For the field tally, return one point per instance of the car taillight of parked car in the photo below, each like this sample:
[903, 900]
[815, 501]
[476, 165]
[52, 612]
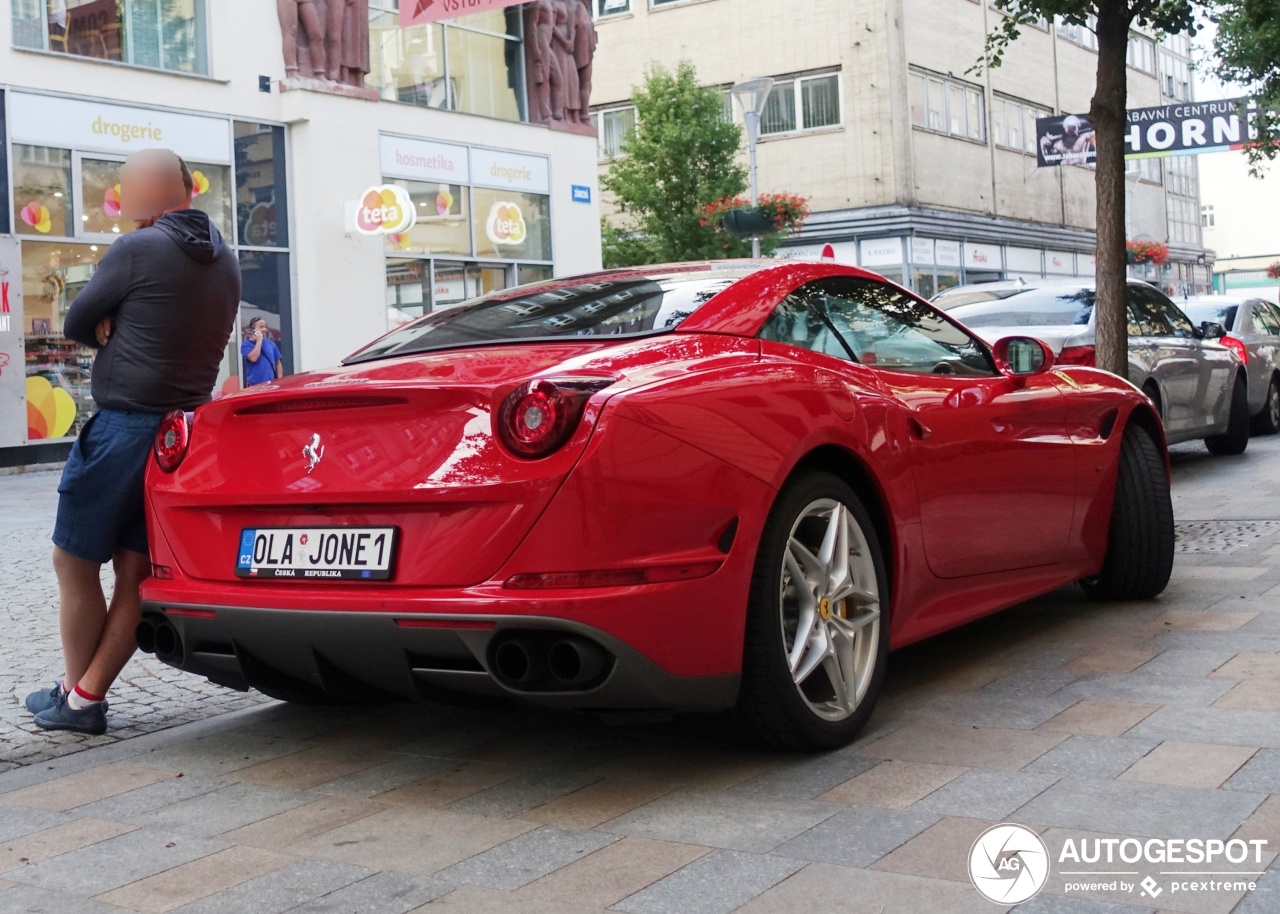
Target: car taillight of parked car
[539, 416]
[172, 438]
[1077, 355]
[1237, 347]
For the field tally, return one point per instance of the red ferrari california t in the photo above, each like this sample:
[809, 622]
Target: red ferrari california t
[693, 487]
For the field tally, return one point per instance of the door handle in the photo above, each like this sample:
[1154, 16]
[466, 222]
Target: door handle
[918, 428]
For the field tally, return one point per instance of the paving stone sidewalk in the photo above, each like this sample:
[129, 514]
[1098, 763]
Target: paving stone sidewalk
[1082, 721]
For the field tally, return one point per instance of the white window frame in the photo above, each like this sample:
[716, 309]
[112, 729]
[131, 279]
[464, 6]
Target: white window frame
[1028, 112]
[598, 116]
[794, 84]
[599, 10]
[945, 85]
[1145, 61]
[1208, 219]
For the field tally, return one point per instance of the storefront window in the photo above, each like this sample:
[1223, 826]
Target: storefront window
[100, 196]
[41, 190]
[59, 398]
[264, 292]
[407, 296]
[212, 194]
[924, 284]
[442, 225]
[527, 274]
[511, 225]
[474, 63]
[165, 34]
[261, 199]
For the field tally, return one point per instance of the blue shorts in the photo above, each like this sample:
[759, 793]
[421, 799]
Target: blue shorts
[100, 497]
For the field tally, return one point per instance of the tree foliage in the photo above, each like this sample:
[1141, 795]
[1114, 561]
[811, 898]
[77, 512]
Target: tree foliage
[682, 157]
[1248, 52]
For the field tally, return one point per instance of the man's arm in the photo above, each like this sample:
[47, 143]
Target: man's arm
[279, 368]
[101, 296]
[253, 351]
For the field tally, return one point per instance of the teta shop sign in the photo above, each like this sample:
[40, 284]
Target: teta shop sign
[384, 209]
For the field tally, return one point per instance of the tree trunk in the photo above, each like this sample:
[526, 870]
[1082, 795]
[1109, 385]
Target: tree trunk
[1109, 122]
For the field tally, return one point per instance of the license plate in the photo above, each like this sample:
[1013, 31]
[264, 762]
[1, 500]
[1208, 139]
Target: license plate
[317, 553]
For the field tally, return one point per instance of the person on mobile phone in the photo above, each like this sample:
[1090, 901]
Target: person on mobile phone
[261, 355]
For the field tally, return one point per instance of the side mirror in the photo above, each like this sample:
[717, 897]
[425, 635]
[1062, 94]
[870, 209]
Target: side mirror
[1020, 357]
[1212, 330]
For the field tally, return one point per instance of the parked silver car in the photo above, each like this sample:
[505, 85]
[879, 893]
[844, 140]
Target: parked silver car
[1198, 385]
[1253, 331]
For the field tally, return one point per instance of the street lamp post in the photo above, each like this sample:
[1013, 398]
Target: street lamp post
[752, 95]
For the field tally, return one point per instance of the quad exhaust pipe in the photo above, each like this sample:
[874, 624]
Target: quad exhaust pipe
[156, 635]
[545, 662]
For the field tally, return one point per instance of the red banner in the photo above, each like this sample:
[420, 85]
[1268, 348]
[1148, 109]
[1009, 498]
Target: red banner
[417, 12]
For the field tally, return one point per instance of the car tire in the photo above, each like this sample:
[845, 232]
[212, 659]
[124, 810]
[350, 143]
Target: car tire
[1267, 422]
[1236, 438]
[790, 697]
[1139, 558]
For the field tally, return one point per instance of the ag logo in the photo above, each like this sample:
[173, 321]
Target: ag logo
[1008, 864]
[385, 210]
[505, 225]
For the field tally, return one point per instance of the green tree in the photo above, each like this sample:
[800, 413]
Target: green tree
[1113, 20]
[682, 156]
[1248, 52]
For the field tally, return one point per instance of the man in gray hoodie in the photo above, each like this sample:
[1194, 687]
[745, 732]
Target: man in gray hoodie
[159, 310]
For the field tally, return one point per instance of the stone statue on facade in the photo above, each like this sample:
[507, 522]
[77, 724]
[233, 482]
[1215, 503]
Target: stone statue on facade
[560, 41]
[325, 43]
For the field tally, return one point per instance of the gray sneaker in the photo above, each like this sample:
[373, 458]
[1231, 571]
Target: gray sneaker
[91, 720]
[44, 699]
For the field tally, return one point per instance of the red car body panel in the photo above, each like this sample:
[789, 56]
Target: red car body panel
[990, 490]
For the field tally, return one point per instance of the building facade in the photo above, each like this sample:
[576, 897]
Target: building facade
[281, 166]
[915, 166]
[1238, 218]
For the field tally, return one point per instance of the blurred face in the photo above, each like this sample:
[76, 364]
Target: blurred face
[150, 184]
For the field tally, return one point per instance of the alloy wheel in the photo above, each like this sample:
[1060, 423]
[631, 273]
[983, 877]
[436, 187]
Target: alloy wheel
[830, 609]
[1273, 404]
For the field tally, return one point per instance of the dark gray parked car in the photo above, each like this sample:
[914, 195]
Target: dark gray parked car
[1253, 331]
[1198, 385]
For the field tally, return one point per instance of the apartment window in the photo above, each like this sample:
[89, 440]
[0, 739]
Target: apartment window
[1207, 218]
[1184, 220]
[1141, 54]
[610, 7]
[1013, 123]
[612, 127]
[1149, 170]
[1182, 176]
[1082, 35]
[802, 103]
[1039, 22]
[948, 106]
[1175, 76]
[168, 35]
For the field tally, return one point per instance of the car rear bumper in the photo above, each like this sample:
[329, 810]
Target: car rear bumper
[368, 655]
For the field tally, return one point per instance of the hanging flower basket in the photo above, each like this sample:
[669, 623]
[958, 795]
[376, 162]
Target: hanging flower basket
[1273, 271]
[775, 213]
[1147, 252]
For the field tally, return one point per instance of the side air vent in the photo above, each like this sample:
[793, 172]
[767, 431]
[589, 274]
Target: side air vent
[1108, 424]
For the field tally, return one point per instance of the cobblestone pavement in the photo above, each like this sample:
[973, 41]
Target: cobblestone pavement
[1152, 720]
[149, 696]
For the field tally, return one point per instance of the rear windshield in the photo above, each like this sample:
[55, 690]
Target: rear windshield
[1218, 314]
[628, 305]
[957, 297]
[1029, 308]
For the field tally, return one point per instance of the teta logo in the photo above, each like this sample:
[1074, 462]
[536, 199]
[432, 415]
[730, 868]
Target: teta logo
[385, 210]
[505, 225]
[1008, 864]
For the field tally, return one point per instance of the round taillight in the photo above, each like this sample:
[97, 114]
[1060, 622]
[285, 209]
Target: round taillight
[172, 438]
[540, 416]
[533, 419]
